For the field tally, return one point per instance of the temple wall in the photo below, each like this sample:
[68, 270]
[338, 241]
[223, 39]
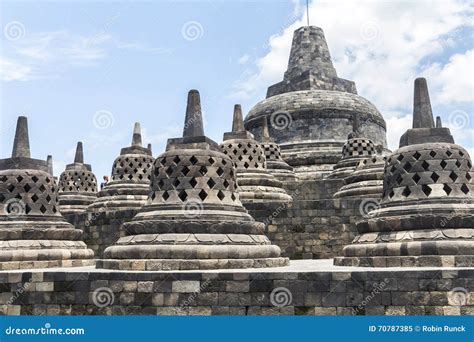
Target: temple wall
[314, 226]
[402, 292]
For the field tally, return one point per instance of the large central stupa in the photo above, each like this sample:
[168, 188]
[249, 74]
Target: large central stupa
[311, 111]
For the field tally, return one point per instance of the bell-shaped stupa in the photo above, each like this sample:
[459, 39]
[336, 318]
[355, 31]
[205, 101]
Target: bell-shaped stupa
[130, 181]
[256, 184]
[33, 234]
[426, 216]
[77, 185]
[312, 109]
[275, 163]
[194, 218]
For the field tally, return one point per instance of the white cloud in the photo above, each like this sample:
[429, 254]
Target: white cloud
[244, 59]
[382, 46]
[45, 54]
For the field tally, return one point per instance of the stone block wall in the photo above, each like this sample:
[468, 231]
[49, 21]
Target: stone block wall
[101, 229]
[314, 226]
[407, 292]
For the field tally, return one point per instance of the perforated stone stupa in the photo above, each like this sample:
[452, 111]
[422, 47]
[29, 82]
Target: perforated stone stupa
[353, 151]
[426, 217]
[311, 111]
[193, 218]
[33, 234]
[367, 179]
[256, 184]
[77, 185]
[274, 162]
[130, 181]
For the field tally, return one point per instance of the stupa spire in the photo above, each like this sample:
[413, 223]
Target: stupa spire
[265, 133]
[79, 157]
[422, 113]
[193, 122]
[137, 135]
[49, 161]
[238, 120]
[21, 144]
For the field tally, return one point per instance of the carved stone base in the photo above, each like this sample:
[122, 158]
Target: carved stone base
[407, 261]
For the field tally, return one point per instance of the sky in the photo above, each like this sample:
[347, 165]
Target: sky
[86, 71]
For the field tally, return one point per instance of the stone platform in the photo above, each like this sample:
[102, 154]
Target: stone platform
[305, 287]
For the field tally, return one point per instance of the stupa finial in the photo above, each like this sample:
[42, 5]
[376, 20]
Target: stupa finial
[137, 135]
[238, 120]
[79, 157]
[422, 113]
[265, 133]
[193, 126]
[49, 161]
[21, 144]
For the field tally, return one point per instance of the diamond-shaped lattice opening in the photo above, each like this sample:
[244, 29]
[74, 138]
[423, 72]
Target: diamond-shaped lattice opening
[453, 176]
[233, 197]
[193, 182]
[160, 184]
[416, 155]
[426, 189]
[443, 164]
[250, 158]
[468, 176]
[27, 188]
[203, 170]
[433, 154]
[406, 192]
[447, 189]
[34, 198]
[130, 177]
[193, 160]
[2, 198]
[240, 158]
[176, 182]
[449, 153]
[185, 170]
[211, 183]
[469, 165]
[27, 209]
[407, 167]
[176, 160]
[202, 195]
[3, 179]
[458, 164]
[220, 195]
[211, 161]
[391, 194]
[11, 187]
[182, 195]
[48, 198]
[434, 177]
[461, 153]
[425, 165]
[246, 165]
[163, 161]
[165, 195]
[416, 178]
[19, 178]
[225, 183]
[400, 157]
[34, 179]
[43, 209]
[464, 189]
[220, 171]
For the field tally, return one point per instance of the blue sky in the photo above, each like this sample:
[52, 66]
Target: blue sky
[88, 70]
